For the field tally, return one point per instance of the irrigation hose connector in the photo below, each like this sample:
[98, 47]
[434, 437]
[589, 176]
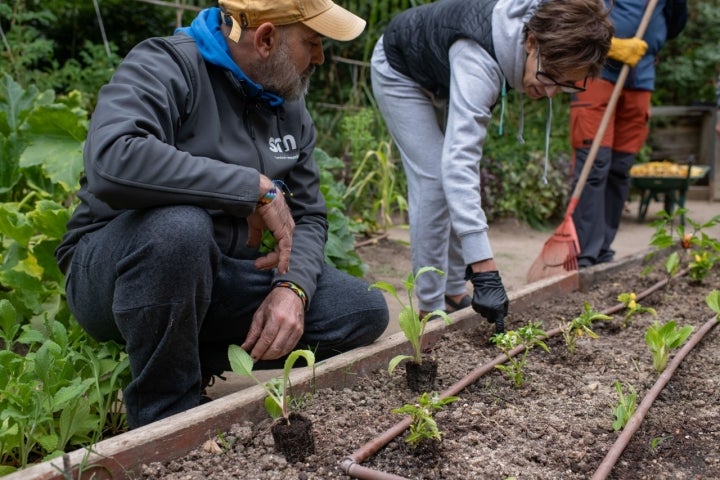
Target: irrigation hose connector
[355, 470]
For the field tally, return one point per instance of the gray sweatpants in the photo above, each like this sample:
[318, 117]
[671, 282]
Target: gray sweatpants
[156, 281]
[416, 124]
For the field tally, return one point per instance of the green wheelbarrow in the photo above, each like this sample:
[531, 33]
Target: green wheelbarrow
[670, 190]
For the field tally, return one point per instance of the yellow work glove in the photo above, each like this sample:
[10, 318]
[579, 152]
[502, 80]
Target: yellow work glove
[627, 50]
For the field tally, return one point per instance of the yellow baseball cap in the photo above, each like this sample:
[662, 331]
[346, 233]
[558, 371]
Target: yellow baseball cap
[323, 16]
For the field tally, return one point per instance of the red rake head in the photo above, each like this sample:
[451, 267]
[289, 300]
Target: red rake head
[559, 254]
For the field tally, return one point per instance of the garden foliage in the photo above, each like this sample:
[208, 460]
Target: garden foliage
[59, 387]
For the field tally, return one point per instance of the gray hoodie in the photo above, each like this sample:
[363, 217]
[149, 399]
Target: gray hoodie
[475, 80]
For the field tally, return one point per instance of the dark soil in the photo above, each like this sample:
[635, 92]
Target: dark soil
[557, 425]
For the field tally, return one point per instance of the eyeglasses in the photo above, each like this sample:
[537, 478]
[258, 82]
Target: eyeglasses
[548, 81]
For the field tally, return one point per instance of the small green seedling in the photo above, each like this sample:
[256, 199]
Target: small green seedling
[276, 403]
[633, 308]
[657, 441]
[527, 337]
[700, 266]
[713, 301]
[581, 325]
[662, 339]
[423, 426]
[412, 326]
[672, 265]
[625, 407]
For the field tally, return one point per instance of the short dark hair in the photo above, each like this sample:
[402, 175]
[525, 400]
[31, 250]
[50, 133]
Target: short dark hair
[572, 34]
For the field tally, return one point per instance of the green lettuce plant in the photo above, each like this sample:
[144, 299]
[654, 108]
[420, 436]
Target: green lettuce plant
[411, 325]
[663, 339]
[713, 301]
[423, 426]
[625, 407]
[277, 401]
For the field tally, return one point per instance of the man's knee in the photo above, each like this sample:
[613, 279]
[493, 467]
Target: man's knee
[178, 234]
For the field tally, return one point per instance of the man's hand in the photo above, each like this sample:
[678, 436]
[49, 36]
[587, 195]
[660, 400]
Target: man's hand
[276, 326]
[275, 217]
[627, 50]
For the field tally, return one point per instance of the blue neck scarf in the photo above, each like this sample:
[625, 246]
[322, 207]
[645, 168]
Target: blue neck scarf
[205, 30]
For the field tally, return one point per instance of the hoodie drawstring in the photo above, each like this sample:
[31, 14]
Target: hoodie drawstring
[521, 126]
[548, 125]
[503, 93]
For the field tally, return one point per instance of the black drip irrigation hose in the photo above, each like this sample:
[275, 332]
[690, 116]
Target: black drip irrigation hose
[351, 464]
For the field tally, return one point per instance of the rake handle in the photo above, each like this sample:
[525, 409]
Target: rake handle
[609, 111]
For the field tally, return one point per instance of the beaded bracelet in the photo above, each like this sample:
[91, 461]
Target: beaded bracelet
[268, 197]
[298, 291]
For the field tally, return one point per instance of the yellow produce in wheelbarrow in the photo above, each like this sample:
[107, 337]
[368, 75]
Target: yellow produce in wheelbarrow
[664, 169]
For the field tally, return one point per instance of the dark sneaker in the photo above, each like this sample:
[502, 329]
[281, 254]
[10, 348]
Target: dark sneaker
[606, 256]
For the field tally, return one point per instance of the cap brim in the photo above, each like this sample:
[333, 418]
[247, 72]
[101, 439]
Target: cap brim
[337, 23]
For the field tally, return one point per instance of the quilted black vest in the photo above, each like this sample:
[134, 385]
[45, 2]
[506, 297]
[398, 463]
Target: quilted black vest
[417, 41]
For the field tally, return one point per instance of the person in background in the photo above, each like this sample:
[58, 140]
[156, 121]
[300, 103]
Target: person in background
[437, 73]
[599, 211]
[201, 142]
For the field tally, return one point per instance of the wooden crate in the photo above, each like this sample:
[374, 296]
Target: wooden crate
[677, 132]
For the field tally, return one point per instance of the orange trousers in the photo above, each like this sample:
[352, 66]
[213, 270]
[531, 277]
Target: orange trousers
[598, 213]
[628, 127]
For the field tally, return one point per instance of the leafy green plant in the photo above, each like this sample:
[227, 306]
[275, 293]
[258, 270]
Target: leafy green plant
[625, 407]
[691, 59]
[700, 266]
[412, 326]
[357, 130]
[526, 337]
[31, 56]
[698, 249]
[340, 246]
[375, 188]
[632, 308]
[277, 401]
[713, 301]
[580, 326]
[662, 339]
[423, 426]
[60, 388]
[46, 370]
[672, 265]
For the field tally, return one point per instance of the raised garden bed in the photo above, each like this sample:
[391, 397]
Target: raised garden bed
[557, 425]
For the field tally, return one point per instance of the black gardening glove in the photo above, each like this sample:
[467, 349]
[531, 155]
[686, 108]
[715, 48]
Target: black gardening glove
[489, 297]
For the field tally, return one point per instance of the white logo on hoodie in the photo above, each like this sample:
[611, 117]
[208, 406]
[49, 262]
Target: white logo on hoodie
[285, 144]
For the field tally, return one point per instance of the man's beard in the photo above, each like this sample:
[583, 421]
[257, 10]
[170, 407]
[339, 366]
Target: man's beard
[278, 75]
